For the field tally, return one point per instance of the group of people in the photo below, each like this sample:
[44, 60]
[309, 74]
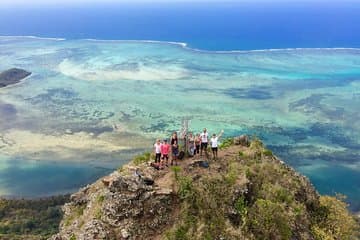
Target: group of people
[194, 144]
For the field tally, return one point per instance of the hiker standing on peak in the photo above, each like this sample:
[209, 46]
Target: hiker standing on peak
[191, 141]
[214, 143]
[174, 148]
[204, 142]
[157, 150]
[165, 149]
[197, 144]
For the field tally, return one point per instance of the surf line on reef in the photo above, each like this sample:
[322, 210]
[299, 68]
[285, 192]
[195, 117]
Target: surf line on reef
[187, 47]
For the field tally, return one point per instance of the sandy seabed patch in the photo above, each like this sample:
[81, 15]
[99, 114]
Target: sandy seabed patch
[91, 72]
[64, 146]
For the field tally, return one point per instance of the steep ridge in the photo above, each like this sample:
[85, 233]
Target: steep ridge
[247, 193]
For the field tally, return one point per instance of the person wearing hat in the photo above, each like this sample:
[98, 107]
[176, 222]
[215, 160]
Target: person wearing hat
[165, 149]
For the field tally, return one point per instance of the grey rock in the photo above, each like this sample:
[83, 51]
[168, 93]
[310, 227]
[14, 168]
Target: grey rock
[242, 140]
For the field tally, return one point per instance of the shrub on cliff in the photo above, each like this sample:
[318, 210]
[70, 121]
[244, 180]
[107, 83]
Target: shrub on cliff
[337, 223]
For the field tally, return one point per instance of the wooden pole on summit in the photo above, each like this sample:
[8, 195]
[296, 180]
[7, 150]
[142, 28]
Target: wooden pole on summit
[184, 133]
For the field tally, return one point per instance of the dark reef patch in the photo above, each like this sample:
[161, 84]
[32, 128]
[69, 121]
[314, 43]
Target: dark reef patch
[313, 105]
[324, 81]
[7, 115]
[297, 148]
[198, 89]
[335, 134]
[295, 154]
[309, 104]
[155, 127]
[200, 68]
[251, 93]
[59, 96]
[125, 66]
[93, 129]
[62, 103]
[7, 110]
[125, 117]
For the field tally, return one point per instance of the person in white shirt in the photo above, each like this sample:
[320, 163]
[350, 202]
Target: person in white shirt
[157, 149]
[204, 142]
[214, 144]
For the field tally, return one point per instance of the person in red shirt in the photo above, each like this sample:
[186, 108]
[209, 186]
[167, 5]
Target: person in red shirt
[165, 150]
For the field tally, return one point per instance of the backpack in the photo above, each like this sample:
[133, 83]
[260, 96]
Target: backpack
[181, 155]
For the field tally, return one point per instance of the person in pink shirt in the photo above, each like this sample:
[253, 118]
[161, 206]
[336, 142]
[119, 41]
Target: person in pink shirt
[165, 150]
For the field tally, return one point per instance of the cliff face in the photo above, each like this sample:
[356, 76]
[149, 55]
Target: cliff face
[245, 194]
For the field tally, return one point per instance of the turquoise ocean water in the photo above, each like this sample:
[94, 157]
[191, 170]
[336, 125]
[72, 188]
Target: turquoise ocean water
[89, 106]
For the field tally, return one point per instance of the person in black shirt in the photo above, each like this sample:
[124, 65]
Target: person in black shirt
[174, 148]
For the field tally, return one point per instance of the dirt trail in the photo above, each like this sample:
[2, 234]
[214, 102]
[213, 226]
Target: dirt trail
[165, 178]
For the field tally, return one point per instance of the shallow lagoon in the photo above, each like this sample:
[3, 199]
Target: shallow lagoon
[91, 105]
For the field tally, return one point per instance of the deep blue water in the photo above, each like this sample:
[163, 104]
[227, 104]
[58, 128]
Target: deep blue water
[215, 26]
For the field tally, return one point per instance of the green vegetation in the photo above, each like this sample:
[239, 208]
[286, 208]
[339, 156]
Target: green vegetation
[337, 223]
[270, 220]
[77, 212]
[257, 148]
[227, 142]
[100, 198]
[278, 204]
[98, 213]
[176, 170]
[142, 158]
[268, 153]
[203, 205]
[80, 210]
[240, 205]
[185, 187]
[120, 169]
[30, 219]
[232, 173]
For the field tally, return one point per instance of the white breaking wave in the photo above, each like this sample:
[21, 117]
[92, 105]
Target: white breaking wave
[35, 37]
[268, 50]
[182, 44]
[186, 46]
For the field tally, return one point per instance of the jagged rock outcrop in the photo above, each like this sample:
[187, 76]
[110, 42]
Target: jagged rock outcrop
[242, 140]
[245, 194]
[120, 206]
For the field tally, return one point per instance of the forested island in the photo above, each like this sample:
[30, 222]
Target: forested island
[12, 76]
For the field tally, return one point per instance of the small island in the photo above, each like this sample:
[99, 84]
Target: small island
[12, 76]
